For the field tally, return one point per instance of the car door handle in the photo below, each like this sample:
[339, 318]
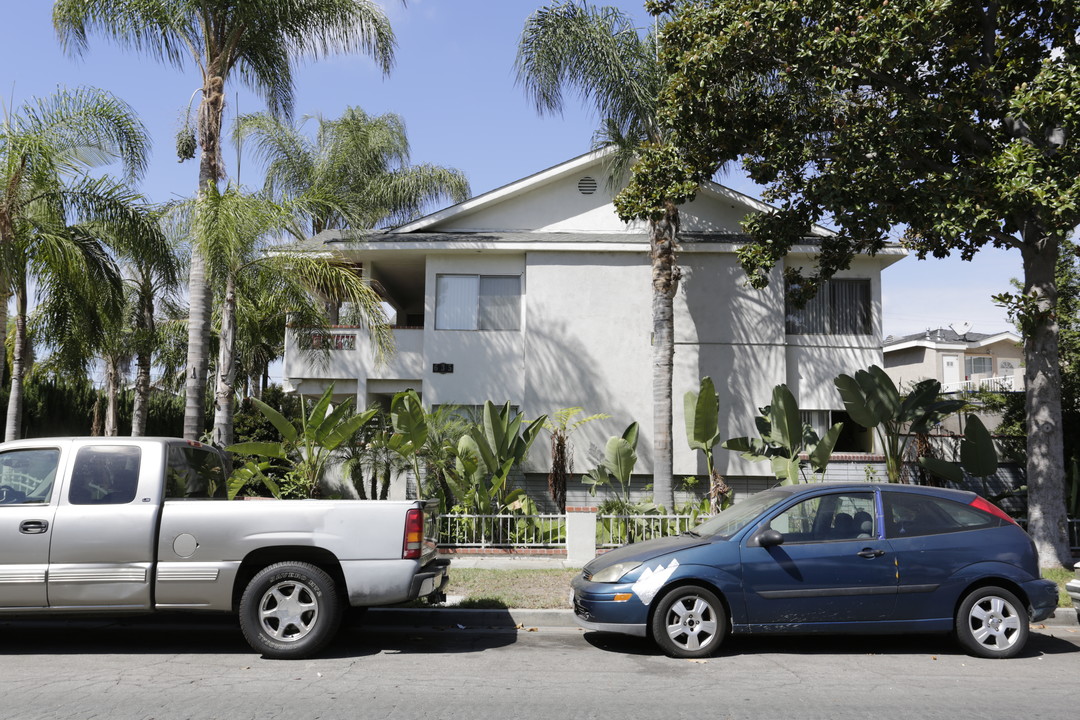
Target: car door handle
[870, 553]
[33, 527]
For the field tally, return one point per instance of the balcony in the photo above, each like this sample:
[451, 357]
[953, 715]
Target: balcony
[345, 352]
[1002, 383]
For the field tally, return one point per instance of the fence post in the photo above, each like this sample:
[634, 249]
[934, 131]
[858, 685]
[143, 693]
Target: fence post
[580, 535]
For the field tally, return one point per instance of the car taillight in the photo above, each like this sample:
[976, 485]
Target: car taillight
[985, 505]
[414, 534]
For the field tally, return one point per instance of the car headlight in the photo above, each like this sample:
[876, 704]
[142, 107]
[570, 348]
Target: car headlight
[613, 573]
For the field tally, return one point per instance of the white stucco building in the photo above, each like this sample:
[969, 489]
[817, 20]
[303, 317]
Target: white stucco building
[536, 293]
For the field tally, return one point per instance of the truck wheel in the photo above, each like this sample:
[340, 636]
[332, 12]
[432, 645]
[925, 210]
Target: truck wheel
[290, 610]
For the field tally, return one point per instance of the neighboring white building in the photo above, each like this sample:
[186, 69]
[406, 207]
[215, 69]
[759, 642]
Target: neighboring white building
[961, 361]
[536, 293]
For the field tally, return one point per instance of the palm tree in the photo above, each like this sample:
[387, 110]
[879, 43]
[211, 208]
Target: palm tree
[256, 39]
[598, 53]
[355, 174]
[47, 148]
[232, 231]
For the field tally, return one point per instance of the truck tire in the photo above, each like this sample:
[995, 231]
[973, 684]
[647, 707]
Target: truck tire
[290, 610]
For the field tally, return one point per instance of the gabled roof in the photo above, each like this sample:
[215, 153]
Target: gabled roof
[591, 165]
[947, 338]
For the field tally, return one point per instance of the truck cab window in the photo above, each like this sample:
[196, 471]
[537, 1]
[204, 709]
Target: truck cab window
[27, 476]
[105, 475]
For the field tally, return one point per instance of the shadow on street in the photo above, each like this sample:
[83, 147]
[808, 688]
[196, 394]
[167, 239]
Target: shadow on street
[1046, 642]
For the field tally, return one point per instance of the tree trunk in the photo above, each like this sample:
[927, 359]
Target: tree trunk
[226, 368]
[143, 363]
[112, 384]
[665, 283]
[199, 297]
[1047, 519]
[18, 366]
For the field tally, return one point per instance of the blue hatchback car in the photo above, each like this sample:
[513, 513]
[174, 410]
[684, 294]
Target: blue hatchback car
[860, 558]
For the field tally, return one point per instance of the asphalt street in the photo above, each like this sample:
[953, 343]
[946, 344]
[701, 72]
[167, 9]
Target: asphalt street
[165, 668]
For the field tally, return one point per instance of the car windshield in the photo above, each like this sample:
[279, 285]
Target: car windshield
[735, 518]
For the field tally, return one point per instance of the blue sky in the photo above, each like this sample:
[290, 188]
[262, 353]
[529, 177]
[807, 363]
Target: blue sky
[454, 86]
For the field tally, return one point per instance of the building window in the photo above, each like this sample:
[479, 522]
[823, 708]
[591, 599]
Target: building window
[853, 437]
[841, 307]
[478, 302]
[978, 365]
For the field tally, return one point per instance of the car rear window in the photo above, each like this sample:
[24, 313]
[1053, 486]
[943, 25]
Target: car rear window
[909, 515]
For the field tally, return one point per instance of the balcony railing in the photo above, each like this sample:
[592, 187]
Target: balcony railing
[1003, 383]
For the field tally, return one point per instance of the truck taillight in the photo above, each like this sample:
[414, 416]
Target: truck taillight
[414, 534]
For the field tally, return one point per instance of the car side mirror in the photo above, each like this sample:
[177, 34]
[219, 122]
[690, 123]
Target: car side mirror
[769, 538]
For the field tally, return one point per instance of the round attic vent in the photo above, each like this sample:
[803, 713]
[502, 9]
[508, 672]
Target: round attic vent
[586, 185]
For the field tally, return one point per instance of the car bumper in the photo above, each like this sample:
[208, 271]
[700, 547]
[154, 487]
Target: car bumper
[1042, 598]
[1073, 589]
[596, 607]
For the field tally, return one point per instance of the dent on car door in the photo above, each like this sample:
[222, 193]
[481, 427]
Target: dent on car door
[832, 565]
[27, 481]
[103, 545]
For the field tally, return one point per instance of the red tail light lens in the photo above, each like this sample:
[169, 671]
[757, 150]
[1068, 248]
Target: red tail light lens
[985, 505]
[414, 534]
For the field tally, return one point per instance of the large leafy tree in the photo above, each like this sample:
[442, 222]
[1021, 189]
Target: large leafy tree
[55, 216]
[599, 54]
[256, 40]
[355, 173]
[954, 120]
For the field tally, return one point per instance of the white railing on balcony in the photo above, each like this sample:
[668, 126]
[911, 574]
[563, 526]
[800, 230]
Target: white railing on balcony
[1003, 383]
[502, 531]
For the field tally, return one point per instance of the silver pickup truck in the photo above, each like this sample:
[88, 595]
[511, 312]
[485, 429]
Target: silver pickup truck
[130, 525]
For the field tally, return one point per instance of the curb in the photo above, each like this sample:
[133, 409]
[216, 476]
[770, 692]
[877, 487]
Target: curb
[525, 618]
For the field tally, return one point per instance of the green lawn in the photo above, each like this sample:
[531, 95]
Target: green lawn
[1060, 576]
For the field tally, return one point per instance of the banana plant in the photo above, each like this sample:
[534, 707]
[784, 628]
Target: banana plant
[620, 457]
[784, 438]
[977, 456]
[873, 401]
[489, 452]
[307, 447]
[701, 411]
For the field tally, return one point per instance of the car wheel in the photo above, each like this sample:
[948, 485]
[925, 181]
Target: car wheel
[689, 622]
[290, 610]
[992, 623]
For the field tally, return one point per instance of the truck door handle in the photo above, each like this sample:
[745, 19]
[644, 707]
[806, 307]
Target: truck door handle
[33, 527]
[870, 553]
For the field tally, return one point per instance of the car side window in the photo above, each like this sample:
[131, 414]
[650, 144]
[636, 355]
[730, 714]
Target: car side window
[825, 518]
[105, 475]
[914, 515]
[27, 476]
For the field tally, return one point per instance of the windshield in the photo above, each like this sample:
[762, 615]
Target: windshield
[739, 515]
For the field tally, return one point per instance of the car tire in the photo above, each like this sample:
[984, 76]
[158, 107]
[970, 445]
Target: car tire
[689, 622]
[290, 610]
[992, 623]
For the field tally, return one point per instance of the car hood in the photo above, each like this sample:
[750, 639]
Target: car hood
[645, 550]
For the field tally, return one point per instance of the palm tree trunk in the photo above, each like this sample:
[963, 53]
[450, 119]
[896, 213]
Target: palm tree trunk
[665, 282]
[18, 366]
[112, 382]
[143, 363]
[198, 358]
[226, 368]
[1047, 519]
